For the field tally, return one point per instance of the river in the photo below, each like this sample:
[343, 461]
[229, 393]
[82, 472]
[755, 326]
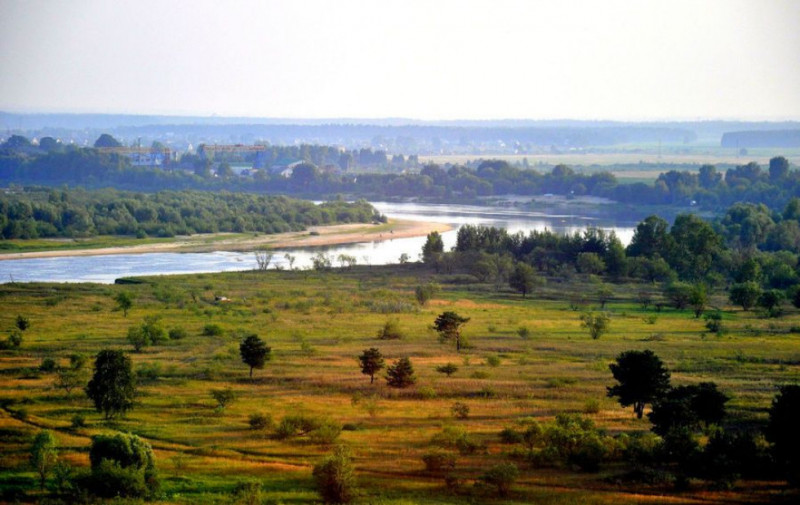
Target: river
[105, 269]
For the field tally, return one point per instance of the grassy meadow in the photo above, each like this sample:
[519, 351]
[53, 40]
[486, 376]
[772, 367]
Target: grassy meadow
[527, 357]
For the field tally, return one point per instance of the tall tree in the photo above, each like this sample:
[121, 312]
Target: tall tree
[113, 385]
[433, 247]
[448, 324]
[523, 278]
[642, 379]
[44, 454]
[255, 352]
[371, 362]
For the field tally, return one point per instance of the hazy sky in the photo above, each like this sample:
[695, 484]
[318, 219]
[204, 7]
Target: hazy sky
[547, 59]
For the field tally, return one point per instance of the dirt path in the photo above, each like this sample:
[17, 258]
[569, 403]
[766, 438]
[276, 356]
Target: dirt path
[314, 236]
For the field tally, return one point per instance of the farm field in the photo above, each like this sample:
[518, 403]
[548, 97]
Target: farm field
[526, 358]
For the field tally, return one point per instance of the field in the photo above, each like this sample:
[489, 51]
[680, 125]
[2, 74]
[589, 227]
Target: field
[316, 324]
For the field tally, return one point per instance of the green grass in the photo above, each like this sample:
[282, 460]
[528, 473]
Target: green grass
[316, 324]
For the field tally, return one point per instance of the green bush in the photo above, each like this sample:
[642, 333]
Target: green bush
[460, 410]
[335, 477]
[212, 330]
[260, 421]
[501, 477]
[48, 365]
[438, 461]
[177, 333]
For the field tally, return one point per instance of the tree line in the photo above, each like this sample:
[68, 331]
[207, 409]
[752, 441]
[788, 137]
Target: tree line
[41, 212]
[327, 170]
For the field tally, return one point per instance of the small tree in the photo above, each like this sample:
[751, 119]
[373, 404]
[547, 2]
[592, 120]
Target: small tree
[124, 302]
[44, 454]
[433, 247]
[254, 352]
[113, 385]
[371, 362]
[448, 369]
[425, 292]
[223, 397]
[698, 299]
[122, 465]
[502, 477]
[523, 278]
[448, 324]
[391, 330]
[400, 374]
[714, 322]
[745, 294]
[782, 430]
[335, 477]
[263, 259]
[770, 301]
[642, 378]
[596, 322]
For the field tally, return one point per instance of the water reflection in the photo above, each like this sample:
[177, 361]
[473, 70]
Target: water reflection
[104, 269]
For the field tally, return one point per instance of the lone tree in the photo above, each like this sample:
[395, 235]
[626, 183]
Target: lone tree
[642, 379]
[448, 369]
[113, 385]
[371, 362]
[254, 352]
[400, 374]
[448, 324]
[124, 302]
[434, 246]
[596, 322]
[44, 454]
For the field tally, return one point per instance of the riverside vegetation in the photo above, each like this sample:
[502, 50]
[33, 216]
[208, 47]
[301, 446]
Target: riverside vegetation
[519, 412]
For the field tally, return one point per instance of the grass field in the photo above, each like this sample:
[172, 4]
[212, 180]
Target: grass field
[317, 323]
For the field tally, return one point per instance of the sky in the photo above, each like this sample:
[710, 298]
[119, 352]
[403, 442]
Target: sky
[427, 59]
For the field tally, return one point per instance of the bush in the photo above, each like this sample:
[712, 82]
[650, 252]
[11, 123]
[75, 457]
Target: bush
[453, 437]
[438, 461]
[122, 465]
[48, 365]
[78, 421]
[460, 410]
[335, 477]
[493, 360]
[524, 332]
[259, 421]
[447, 369]
[502, 477]
[177, 333]
[391, 330]
[510, 436]
[212, 330]
[223, 397]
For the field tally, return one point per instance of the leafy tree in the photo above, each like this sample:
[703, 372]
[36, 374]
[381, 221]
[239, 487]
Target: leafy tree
[433, 247]
[106, 140]
[694, 246]
[523, 278]
[371, 362]
[688, 407]
[714, 322]
[122, 465]
[71, 377]
[502, 476]
[44, 454]
[254, 352]
[698, 299]
[223, 397]
[778, 168]
[771, 300]
[745, 294]
[113, 385]
[448, 324]
[148, 333]
[425, 292]
[590, 263]
[400, 374]
[448, 369]
[679, 293]
[124, 302]
[335, 477]
[642, 379]
[650, 239]
[782, 430]
[596, 322]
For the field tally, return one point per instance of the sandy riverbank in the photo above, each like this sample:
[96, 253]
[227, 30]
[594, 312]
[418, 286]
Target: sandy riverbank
[314, 236]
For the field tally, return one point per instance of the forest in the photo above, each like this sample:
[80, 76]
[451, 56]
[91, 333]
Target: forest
[41, 213]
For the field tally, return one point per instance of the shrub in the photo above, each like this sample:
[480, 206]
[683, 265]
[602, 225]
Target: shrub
[122, 465]
[448, 369]
[524, 332]
[400, 374]
[453, 437]
[502, 477]
[438, 461]
[78, 421]
[326, 433]
[48, 365]
[493, 360]
[223, 397]
[426, 393]
[335, 477]
[591, 406]
[460, 410]
[177, 333]
[212, 330]
[248, 493]
[260, 421]
[391, 330]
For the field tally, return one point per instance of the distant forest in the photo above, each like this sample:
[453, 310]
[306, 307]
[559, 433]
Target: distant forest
[42, 212]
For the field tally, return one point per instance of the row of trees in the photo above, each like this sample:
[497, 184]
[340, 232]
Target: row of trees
[40, 212]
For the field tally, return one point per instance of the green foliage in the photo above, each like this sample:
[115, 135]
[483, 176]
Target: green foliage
[456, 437]
[177, 333]
[502, 476]
[22, 323]
[260, 421]
[523, 278]
[48, 365]
[439, 462]
[371, 362]
[391, 330]
[124, 302]
[714, 322]
[44, 454]
[148, 333]
[745, 294]
[460, 410]
[335, 477]
[122, 465]
[597, 323]
[448, 325]
[113, 386]
[687, 407]
[782, 431]
[254, 352]
[448, 369]
[400, 374]
[679, 294]
[642, 379]
[212, 330]
[223, 397]
[433, 247]
[425, 292]
[493, 360]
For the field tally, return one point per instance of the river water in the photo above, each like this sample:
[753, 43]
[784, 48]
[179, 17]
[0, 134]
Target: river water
[105, 269]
